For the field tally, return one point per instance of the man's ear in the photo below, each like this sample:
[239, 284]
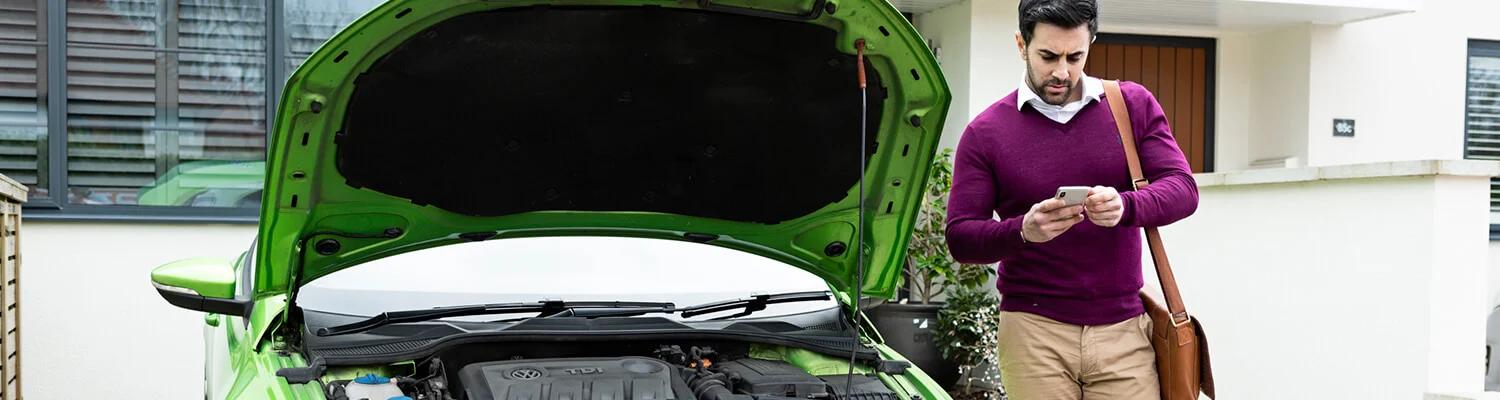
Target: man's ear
[1021, 45]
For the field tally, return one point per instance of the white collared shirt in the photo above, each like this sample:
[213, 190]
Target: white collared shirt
[1093, 89]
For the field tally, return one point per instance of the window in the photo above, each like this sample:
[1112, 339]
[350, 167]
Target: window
[1179, 71]
[161, 98]
[23, 100]
[153, 108]
[310, 22]
[1482, 114]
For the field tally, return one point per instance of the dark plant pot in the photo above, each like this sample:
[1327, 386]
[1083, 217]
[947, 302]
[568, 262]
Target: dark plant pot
[909, 329]
[984, 377]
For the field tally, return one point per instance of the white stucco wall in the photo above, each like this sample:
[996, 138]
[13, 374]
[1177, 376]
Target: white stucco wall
[1401, 77]
[92, 326]
[995, 62]
[1258, 73]
[1278, 95]
[1232, 111]
[948, 31]
[1329, 303]
[1389, 4]
[978, 55]
[1280, 87]
[1494, 288]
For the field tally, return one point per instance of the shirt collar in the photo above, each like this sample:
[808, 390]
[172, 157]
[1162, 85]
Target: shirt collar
[1093, 89]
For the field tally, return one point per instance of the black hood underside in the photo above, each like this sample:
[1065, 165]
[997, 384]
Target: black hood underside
[651, 109]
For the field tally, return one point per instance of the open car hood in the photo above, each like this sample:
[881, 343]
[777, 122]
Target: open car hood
[734, 123]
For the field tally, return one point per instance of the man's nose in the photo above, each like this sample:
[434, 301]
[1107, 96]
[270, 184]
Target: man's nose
[1061, 73]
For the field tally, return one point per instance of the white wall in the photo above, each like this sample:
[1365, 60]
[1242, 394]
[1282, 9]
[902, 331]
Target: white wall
[1279, 88]
[995, 64]
[991, 68]
[1494, 288]
[91, 323]
[948, 31]
[1232, 111]
[1401, 77]
[1388, 4]
[978, 56]
[1305, 294]
[1279, 95]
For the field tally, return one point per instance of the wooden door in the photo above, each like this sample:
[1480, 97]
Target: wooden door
[1179, 71]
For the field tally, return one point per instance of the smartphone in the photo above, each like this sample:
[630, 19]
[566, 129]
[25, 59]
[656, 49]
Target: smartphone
[1072, 195]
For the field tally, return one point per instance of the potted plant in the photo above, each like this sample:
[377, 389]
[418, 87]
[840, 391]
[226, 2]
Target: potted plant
[930, 272]
[967, 334]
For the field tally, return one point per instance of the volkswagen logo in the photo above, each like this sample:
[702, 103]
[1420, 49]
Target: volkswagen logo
[526, 374]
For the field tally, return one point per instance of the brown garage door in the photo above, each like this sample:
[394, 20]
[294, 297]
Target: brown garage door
[1179, 71]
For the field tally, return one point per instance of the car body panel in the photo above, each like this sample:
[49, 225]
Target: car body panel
[308, 201]
[206, 276]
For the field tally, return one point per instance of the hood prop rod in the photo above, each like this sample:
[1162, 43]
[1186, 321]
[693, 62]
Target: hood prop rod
[859, 227]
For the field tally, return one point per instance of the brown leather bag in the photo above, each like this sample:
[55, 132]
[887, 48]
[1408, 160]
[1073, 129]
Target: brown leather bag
[1182, 362]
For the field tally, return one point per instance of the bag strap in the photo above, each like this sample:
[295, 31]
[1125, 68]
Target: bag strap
[1137, 182]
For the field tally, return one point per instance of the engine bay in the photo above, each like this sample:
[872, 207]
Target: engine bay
[623, 378]
[665, 372]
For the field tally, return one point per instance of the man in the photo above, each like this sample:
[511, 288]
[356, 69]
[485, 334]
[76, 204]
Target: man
[1071, 325]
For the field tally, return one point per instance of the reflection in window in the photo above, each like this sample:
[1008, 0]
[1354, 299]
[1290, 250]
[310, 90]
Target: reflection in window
[309, 23]
[166, 101]
[1482, 107]
[23, 112]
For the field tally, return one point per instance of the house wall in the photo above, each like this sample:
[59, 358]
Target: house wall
[1493, 300]
[1261, 73]
[978, 56]
[93, 327]
[1278, 96]
[1293, 79]
[1293, 298]
[948, 32]
[1401, 77]
[995, 63]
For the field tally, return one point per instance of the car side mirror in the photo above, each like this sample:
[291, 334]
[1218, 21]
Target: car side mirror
[200, 284]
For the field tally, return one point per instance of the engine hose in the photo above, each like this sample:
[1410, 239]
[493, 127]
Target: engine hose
[713, 386]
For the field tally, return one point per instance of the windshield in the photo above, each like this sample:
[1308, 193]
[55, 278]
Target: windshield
[560, 268]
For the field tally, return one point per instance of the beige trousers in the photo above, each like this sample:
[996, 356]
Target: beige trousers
[1042, 359]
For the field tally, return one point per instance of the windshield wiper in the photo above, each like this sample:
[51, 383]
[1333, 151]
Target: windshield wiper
[749, 304]
[584, 309]
[752, 304]
[544, 308]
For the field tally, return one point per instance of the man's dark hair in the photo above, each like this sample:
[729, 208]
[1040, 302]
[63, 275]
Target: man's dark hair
[1064, 13]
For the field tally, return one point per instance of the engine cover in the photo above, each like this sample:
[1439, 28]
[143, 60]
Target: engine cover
[620, 378]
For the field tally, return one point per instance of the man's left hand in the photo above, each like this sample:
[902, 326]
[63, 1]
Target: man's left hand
[1104, 206]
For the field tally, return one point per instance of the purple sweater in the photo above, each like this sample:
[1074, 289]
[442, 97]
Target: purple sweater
[1009, 160]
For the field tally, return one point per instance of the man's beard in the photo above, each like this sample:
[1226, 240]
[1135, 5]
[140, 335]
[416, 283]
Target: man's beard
[1041, 88]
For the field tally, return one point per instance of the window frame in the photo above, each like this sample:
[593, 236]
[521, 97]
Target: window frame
[55, 206]
[1477, 48]
[1210, 48]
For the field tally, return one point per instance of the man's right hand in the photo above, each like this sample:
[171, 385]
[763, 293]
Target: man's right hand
[1049, 219]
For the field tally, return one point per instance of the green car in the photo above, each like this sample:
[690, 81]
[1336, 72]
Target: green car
[207, 184]
[582, 200]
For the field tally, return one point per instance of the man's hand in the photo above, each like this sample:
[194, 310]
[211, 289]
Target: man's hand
[1104, 206]
[1048, 219]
